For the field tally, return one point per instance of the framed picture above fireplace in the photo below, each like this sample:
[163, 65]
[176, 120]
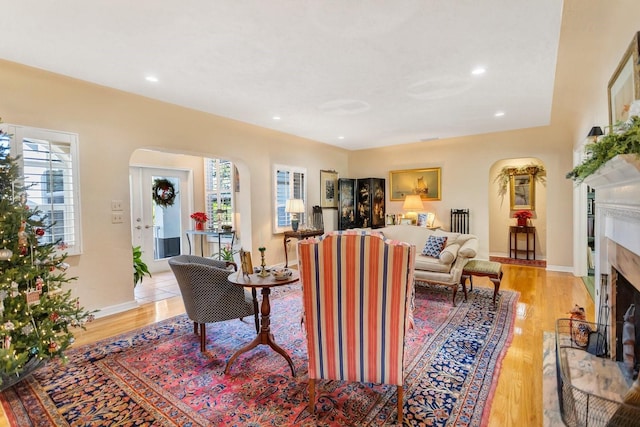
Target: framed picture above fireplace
[624, 85]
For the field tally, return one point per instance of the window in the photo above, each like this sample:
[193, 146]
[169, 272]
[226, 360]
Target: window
[49, 162]
[290, 183]
[218, 192]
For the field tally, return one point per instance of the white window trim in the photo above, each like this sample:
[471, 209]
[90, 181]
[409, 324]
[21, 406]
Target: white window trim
[20, 133]
[292, 169]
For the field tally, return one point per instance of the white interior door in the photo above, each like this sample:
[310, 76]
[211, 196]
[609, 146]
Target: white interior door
[159, 231]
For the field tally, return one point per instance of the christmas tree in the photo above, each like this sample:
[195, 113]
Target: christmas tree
[36, 314]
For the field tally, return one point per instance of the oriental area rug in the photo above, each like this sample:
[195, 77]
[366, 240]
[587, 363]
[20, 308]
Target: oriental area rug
[157, 376]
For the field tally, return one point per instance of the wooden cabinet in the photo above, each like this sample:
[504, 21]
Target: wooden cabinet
[361, 203]
[370, 203]
[346, 203]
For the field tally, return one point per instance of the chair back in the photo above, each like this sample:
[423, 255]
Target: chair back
[357, 291]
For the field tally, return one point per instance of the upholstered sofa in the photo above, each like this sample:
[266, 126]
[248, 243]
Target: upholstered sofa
[445, 268]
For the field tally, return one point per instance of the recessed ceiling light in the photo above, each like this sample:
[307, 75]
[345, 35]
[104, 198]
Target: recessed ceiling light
[341, 137]
[152, 79]
[478, 70]
[499, 114]
[276, 117]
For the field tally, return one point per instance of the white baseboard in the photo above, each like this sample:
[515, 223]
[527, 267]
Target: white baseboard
[115, 309]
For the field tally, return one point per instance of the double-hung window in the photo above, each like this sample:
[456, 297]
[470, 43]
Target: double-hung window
[49, 164]
[218, 192]
[290, 183]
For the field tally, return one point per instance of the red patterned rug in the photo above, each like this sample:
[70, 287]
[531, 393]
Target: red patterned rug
[157, 376]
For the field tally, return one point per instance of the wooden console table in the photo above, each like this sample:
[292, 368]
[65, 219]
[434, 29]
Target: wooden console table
[300, 234]
[530, 234]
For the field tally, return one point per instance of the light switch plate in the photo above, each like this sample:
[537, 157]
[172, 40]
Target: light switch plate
[116, 205]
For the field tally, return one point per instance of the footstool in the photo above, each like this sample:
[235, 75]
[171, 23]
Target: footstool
[490, 269]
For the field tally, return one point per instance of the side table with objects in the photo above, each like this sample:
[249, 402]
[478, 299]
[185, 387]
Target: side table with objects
[299, 234]
[264, 336]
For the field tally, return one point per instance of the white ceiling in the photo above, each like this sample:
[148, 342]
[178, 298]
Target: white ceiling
[374, 72]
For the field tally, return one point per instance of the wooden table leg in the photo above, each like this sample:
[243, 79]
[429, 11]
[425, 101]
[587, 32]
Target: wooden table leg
[264, 337]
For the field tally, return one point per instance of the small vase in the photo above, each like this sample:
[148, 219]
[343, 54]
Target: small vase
[522, 222]
[199, 226]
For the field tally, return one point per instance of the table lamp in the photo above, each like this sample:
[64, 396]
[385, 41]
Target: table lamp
[294, 207]
[412, 204]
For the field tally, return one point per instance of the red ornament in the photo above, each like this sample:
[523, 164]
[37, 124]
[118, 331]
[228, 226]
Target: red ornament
[54, 316]
[40, 231]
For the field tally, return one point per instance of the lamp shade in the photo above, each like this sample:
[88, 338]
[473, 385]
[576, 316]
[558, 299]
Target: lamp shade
[595, 131]
[412, 203]
[294, 206]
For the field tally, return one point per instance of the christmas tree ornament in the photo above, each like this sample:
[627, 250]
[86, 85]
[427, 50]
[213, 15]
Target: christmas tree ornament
[5, 254]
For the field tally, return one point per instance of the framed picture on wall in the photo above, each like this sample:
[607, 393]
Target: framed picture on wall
[425, 182]
[522, 191]
[328, 189]
[624, 85]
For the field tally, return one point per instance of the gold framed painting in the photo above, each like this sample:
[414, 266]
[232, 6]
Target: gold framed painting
[624, 85]
[328, 189]
[522, 192]
[425, 182]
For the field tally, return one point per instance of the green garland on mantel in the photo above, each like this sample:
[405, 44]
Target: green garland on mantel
[536, 170]
[625, 140]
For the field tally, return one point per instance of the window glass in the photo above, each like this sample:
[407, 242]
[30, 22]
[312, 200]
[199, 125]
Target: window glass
[49, 168]
[290, 183]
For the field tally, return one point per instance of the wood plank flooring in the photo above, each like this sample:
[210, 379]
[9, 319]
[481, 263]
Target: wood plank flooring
[544, 297]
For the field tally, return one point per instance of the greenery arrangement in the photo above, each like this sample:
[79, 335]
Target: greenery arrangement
[626, 140]
[226, 253]
[537, 171]
[140, 269]
[36, 314]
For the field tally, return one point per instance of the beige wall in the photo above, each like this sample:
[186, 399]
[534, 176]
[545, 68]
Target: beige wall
[468, 182]
[111, 126]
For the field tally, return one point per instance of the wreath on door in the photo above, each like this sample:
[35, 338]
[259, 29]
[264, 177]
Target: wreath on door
[163, 192]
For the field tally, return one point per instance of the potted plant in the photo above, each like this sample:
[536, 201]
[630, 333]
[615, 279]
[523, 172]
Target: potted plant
[200, 218]
[522, 216]
[140, 269]
[226, 253]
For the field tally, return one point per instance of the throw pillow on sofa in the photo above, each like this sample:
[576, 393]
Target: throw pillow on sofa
[434, 246]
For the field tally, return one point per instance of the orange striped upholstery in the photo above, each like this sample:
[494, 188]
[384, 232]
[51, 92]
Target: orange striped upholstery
[357, 291]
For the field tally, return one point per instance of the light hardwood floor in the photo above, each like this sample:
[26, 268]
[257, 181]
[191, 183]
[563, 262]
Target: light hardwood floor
[544, 297]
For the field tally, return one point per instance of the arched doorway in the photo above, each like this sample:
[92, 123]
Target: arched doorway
[502, 207]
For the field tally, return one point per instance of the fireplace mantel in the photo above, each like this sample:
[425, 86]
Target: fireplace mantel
[621, 170]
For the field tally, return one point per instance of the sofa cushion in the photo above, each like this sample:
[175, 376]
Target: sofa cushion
[427, 263]
[449, 253]
[434, 245]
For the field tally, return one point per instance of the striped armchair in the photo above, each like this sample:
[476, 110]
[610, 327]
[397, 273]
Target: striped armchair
[357, 297]
[207, 294]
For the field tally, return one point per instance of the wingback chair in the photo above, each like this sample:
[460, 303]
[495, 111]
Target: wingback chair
[357, 298]
[207, 294]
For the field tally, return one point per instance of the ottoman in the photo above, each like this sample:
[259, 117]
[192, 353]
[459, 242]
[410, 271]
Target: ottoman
[490, 269]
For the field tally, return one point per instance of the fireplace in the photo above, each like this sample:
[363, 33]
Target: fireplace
[626, 295]
[617, 251]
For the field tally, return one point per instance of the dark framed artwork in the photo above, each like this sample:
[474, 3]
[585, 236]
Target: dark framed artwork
[328, 189]
[425, 182]
[346, 203]
[522, 192]
[624, 85]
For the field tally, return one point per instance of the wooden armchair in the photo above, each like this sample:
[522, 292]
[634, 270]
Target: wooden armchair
[357, 292]
[207, 294]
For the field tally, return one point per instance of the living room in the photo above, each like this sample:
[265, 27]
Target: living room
[113, 125]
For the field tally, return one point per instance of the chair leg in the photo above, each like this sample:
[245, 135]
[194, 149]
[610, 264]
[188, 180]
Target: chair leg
[400, 403]
[312, 395]
[455, 291]
[195, 328]
[203, 336]
[255, 309]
